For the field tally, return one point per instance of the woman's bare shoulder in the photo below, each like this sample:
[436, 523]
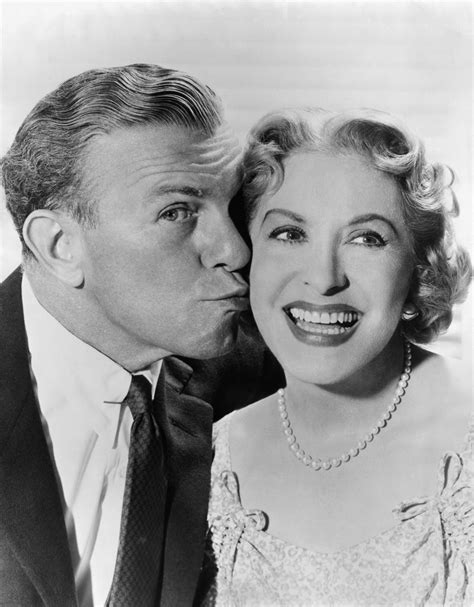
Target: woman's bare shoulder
[443, 375]
[444, 392]
[252, 419]
[253, 435]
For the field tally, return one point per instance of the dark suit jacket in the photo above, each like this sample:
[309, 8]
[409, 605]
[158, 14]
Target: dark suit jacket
[35, 561]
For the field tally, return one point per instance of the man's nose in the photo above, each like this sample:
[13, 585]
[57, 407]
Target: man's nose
[224, 246]
[324, 271]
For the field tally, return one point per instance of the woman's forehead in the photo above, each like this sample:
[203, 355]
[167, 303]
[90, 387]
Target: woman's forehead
[316, 180]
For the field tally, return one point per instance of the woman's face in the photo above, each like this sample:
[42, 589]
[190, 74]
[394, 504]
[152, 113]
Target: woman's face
[331, 266]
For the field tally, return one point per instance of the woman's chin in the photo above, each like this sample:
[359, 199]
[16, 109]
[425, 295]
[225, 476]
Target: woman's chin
[313, 370]
[338, 360]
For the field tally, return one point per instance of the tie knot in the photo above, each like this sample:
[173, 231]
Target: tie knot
[138, 398]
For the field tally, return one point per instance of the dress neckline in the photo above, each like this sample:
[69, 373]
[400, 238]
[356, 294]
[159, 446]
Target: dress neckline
[404, 511]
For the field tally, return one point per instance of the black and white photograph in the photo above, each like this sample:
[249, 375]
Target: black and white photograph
[236, 318]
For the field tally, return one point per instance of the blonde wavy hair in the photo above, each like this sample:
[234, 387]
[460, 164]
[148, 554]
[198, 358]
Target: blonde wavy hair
[443, 269]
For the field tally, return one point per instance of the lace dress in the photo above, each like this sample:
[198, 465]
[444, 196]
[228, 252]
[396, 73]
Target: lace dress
[425, 559]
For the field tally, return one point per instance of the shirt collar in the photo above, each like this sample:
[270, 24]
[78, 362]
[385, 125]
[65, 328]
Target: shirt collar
[152, 373]
[62, 359]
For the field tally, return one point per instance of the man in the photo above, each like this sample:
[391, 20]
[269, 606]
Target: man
[119, 183]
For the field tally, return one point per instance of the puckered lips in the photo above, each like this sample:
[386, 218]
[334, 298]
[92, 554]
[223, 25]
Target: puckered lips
[237, 298]
[328, 325]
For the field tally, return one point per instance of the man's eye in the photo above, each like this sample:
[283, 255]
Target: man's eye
[288, 234]
[369, 239]
[177, 214]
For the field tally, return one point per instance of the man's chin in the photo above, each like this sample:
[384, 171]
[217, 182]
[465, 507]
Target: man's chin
[221, 342]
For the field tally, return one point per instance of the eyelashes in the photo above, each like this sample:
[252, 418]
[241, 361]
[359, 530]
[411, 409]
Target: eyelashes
[296, 235]
[288, 234]
[369, 238]
[177, 213]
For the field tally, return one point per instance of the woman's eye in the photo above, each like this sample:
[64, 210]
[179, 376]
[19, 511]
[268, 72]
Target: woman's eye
[290, 235]
[177, 214]
[369, 239]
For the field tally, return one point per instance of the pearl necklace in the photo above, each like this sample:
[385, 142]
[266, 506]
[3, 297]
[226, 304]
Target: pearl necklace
[335, 462]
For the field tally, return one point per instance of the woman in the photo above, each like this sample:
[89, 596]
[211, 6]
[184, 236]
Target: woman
[353, 485]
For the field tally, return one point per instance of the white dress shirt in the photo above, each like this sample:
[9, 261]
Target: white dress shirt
[80, 393]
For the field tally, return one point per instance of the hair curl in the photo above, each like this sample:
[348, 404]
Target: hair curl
[443, 269]
[43, 169]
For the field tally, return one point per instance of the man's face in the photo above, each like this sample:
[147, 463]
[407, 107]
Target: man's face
[161, 266]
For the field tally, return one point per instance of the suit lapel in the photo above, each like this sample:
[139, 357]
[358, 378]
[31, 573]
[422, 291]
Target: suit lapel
[189, 430]
[30, 505]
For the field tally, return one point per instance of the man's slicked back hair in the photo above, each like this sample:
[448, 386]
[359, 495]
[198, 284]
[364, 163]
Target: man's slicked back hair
[43, 169]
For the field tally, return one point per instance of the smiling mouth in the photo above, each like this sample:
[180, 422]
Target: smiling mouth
[323, 322]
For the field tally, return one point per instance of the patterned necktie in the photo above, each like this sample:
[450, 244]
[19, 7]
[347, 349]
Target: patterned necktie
[137, 569]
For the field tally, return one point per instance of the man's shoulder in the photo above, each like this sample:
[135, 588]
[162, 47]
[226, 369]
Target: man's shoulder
[11, 312]
[10, 294]
[11, 309]
[14, 371]
[13, 278]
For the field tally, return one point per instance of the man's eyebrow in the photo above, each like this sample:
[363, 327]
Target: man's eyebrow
[372, 217]
[290, 214]
[176, 189]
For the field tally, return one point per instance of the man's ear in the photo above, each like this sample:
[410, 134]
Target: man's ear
[53, 238]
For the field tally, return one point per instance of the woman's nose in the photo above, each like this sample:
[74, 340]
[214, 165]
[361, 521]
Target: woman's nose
[324, 272]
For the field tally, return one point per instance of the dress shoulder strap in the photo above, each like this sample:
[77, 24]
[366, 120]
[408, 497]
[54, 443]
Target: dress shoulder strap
[468, 447]
[220, 439]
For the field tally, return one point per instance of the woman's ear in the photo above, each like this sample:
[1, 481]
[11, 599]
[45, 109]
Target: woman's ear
[53, 238]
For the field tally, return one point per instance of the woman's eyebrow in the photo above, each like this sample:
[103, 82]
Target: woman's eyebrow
[372, 217]
[290, 214]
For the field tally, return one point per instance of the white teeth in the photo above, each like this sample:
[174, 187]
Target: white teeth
[319, 330]
[296, 313]
[324, 318]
